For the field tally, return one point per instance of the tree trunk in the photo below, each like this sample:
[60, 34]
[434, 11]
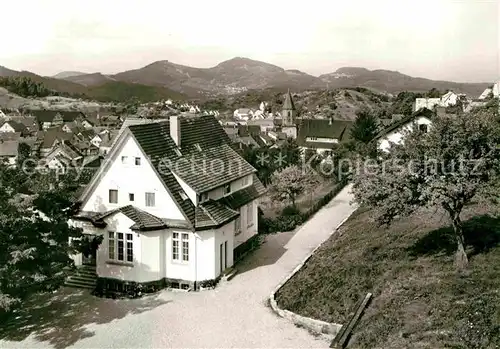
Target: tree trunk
[461, 260]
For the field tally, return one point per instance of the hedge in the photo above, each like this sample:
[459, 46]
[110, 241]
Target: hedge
[289, 219]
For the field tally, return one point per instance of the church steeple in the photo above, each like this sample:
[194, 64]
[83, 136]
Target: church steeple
[288, 112]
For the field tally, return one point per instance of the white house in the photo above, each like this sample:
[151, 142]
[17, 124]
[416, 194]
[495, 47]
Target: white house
[395, 132]
[448, 99]
[175, 203]
[243, 113]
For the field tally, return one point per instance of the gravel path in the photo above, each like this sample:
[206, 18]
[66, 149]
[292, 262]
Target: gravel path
[234, 315]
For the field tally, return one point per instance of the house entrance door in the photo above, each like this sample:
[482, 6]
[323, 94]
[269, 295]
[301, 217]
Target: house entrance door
[225, 255]
[221, 257]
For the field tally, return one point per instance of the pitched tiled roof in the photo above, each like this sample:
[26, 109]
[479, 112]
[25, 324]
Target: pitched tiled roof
[248, 130]
[322, 128]
[215, 165]
[48, 115]
[155, 141]
[9, 148]
[205, 133]
[17, 126]
[10, 136]
[142, 219]
[213, 214]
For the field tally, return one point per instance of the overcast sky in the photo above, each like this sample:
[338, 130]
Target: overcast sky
[454, 40]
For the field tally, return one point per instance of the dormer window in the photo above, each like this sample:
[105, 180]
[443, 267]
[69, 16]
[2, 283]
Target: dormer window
[197, 146]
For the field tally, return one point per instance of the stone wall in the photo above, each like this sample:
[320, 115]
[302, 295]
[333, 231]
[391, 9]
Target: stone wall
[314, 325]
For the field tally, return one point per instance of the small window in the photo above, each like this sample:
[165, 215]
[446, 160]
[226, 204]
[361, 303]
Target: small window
[124, 159]
[113, 196]
[227, 189]
[175, 246]
[131, 197]
[137, 161]
[130, 248]
[185, 247]
[150, 199]
[183, 196]
[120, 246]
[422, 128]
[111, 245]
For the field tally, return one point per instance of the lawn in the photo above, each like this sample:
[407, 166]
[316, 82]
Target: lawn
[420, 301]
[304, 202]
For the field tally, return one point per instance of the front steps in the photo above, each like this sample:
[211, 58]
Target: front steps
[228, 274]
[84, 277]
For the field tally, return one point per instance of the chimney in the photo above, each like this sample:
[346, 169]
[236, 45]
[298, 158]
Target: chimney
[175, 129]
[331, 120]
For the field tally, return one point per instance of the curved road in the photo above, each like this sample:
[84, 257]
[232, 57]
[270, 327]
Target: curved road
[234, 315]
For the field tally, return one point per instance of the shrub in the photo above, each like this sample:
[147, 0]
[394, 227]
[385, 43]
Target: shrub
[290, 211]
[210, 283]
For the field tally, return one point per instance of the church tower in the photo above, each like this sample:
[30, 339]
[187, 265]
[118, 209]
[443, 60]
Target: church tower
[289, 112]
[288, 115]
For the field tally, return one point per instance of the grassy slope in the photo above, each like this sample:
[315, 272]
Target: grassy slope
[116, 91]
[419, 299]
[348, 101]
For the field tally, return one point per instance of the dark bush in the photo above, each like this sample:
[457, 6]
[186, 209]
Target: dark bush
[290, 211]
[211, 283]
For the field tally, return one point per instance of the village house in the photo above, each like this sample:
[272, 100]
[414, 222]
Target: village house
[51, 137]
[51, 118]
[394, 133]
[447, 100]
[243, 114]
[322, 135]
[9, 151]
[175, 204]
[13, 126]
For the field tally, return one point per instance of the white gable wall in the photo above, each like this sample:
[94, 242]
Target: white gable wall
[236, 185]
[396, 136]
[7, 128]
[130, 178]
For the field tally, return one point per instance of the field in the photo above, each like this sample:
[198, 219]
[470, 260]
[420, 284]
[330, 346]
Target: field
[420, 300]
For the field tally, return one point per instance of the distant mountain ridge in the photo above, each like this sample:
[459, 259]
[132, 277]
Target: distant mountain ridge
[239, 74]
[108, 90]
